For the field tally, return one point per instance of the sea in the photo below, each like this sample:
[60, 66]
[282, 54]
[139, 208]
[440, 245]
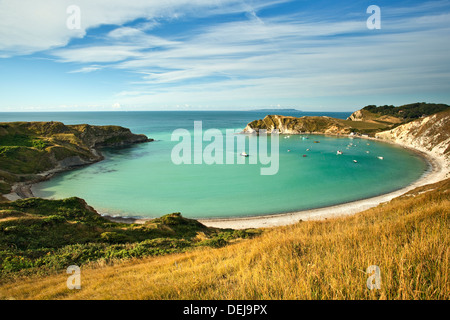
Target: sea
[144, 180]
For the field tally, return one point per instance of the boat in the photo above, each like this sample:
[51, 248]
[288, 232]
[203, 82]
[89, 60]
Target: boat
[316, 141]
[244, 154]
[355, 161]
[339, 152]
[304, 156]
[381, 158]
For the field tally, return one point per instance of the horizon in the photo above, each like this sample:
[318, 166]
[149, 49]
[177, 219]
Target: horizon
[228, 55]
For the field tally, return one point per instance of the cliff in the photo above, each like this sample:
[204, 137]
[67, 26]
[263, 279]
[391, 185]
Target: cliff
[30, 150]
[323, 125]
[293, 125]
[430, 135]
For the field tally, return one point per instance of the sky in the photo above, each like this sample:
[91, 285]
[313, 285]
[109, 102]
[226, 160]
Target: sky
[312, 55]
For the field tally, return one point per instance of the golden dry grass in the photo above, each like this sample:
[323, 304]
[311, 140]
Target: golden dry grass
[407, 238]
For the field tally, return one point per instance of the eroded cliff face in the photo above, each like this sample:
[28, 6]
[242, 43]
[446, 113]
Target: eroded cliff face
[430, 135]
[293, 125]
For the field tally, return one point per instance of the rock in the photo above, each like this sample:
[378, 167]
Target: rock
[293, 125]
[430, 135]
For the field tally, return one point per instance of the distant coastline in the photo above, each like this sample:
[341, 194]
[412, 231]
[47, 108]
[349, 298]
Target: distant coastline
[276, 110]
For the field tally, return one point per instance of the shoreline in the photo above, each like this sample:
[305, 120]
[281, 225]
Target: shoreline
[437, 172]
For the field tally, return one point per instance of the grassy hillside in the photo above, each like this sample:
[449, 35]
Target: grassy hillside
[407, 238]
[390, 116]
[43, 236]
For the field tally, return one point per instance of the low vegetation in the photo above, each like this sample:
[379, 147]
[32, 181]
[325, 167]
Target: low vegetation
[40, 236]
[407, 238]
[407, 112]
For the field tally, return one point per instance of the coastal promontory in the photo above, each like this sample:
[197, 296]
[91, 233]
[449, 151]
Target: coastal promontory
[369, 120]
[30, 151]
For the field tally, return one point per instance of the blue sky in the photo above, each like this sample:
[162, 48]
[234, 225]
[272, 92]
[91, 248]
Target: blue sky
[221, 55]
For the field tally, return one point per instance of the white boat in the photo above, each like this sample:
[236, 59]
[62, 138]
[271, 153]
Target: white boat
[355, 161]
[244, 154]
[381, 158]
[339, 152]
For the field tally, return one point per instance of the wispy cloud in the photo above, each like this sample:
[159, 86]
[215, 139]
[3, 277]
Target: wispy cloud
[86, 69]
[253, 56]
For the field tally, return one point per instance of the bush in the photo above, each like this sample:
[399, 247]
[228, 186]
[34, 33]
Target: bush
[114, 237]
[214, 243]
[39, 144]
[53, 219]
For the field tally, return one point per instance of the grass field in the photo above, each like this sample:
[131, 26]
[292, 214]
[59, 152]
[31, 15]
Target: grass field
[407, 238]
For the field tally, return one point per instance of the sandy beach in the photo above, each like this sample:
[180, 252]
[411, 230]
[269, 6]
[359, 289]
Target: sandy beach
[438, 171]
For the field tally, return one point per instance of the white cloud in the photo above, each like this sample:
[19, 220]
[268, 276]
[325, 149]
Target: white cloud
[29, 26]
[253, 60]
[86, 69]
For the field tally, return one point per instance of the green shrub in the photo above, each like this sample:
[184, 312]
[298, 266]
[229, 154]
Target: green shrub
[38, 144]
[114, 237]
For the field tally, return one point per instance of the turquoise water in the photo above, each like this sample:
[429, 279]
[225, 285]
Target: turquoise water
[142, 181]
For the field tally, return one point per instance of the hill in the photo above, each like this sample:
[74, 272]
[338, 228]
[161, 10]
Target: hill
[396, 115]
[430, 135]
[407, 238]
[29, 151]
[369, 120]
[311, 125]
[39, 236]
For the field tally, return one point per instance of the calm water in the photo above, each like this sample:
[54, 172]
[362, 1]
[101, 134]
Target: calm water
[142, 181]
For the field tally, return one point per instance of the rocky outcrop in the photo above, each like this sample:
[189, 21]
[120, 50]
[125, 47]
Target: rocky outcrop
[430, 135]
[367, 116]
[356, 116]
[293, 125]
[107, 136]
[33, 151]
